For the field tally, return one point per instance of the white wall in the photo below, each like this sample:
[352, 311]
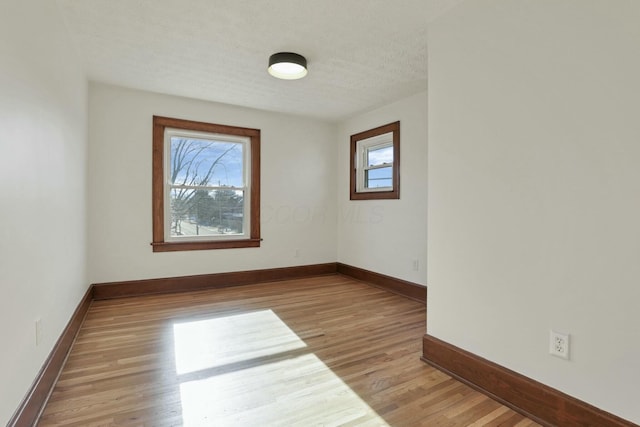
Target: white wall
[385, 236]
[298, 177]
[43, 120]
[534, 190]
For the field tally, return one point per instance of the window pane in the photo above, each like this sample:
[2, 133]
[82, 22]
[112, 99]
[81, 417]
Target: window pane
[206, 162]
[380, 156]
[206, 213]
[376, 178]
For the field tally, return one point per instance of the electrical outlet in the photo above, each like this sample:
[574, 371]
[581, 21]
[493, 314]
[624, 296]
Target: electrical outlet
[296, 253]
[415, 265]
[38, 331]
[559, 344]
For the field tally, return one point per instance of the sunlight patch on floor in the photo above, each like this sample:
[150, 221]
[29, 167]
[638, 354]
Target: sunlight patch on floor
[221, 341]
[294, 392]
[285, 387]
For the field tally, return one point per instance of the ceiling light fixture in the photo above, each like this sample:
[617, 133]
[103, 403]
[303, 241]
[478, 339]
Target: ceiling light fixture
[287, 65]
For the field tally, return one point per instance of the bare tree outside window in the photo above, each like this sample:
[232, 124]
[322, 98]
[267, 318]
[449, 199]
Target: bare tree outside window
[202, 196]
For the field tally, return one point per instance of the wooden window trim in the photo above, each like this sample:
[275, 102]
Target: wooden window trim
[159, 244]
[376, 195]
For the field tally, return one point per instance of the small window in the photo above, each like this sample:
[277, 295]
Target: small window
[375, 163]
[206, 186]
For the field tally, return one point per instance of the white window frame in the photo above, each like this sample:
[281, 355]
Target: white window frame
[246, 188]
[363, 147]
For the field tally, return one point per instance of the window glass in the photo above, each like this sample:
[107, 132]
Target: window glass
[206, 162]
[206, 186]
[379, 178]
[207, 213]
[380, 155]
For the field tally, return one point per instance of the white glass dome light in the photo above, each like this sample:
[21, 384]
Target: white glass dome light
[287, 65]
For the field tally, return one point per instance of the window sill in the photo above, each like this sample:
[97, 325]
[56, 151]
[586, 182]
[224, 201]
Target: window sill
[375, 195]
[204, 245]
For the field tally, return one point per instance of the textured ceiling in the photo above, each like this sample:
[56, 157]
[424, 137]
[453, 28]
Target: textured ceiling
[361, 53]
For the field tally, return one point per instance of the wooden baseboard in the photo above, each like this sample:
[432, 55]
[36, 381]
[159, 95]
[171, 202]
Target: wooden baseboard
[32, 405]
[222, 280]
[537, 401]
[206, 281]
[401, 287]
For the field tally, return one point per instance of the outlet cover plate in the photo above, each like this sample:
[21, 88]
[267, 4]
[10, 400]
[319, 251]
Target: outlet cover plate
[559, 344]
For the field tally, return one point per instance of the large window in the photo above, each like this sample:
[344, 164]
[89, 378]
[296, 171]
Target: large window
[375, 163]
[206, 186]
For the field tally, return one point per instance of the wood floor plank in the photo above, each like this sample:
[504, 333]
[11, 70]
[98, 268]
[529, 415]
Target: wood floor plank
[325, 350]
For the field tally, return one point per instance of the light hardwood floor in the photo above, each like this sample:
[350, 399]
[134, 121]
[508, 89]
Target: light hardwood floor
[319, 351]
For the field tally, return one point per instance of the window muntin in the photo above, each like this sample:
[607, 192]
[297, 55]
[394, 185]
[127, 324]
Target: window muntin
[375, 163]
[206, 182]
[206, 186]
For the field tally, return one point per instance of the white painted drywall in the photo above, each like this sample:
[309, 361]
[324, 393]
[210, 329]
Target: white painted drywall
[534, 190]
[385, 236]
[298, 160]
[43, 125]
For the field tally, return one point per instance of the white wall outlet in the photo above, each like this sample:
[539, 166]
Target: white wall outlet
[38, 331]
[559, 344]
[415, 264]
[296, 253]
